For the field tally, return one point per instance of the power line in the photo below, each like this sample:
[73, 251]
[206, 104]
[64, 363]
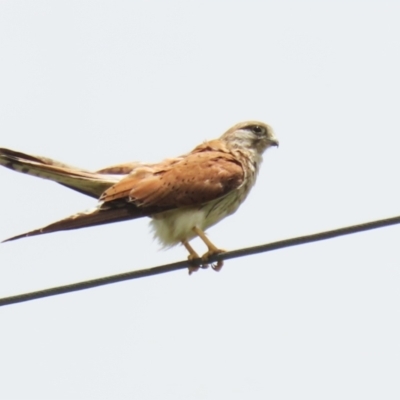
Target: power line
[184, 264]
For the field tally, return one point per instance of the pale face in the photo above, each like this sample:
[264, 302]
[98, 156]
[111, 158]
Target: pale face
[251, 135]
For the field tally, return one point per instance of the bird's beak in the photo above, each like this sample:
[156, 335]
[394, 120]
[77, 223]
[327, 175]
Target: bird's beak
[274, 142]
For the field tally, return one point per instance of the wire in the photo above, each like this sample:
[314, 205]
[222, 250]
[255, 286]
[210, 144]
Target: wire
[184, 264]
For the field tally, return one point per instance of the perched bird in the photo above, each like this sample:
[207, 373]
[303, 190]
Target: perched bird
[183, 196]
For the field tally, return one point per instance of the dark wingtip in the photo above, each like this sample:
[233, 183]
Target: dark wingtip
[9, 240]
[97, 216]
[23, 235]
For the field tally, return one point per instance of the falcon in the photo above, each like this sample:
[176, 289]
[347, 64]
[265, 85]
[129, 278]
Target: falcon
[183, 196]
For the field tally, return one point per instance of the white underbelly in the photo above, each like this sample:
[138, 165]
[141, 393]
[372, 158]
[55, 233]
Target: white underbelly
[172, 227]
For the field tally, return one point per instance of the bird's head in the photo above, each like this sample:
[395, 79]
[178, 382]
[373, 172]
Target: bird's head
[251, 135]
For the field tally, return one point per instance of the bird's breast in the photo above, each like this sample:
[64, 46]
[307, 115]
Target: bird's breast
[174, 226]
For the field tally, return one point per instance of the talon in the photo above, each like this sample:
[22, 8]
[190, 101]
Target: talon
[219, 264]
[217, 267]
[192, 268]
[212, 250]
[192, 256]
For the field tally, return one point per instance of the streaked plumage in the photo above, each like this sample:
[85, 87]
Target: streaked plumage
[184, 195]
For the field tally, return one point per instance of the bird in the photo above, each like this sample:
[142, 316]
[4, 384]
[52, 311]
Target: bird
[183, 196]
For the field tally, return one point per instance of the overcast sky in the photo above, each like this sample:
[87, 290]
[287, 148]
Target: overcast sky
[93, 83]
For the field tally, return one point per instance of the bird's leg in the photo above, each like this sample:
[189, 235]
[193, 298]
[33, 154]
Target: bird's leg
[192, 256]
[212, 249]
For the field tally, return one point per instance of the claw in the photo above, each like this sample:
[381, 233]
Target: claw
[219, 264]
[212, 250]
[194, 268]
[192, 256]
[217, 267]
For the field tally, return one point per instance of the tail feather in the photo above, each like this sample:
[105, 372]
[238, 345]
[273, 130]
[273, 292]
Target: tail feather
[90, 183]
[97, 216]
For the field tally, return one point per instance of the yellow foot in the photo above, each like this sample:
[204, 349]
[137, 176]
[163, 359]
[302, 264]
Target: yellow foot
[219, 264]
[212, 249]
[194, 268]
[192, 256]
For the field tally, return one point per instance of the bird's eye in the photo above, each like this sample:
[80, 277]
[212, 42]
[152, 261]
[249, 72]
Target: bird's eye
[258, 130]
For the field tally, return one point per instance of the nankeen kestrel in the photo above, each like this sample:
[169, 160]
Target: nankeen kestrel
[183, 196]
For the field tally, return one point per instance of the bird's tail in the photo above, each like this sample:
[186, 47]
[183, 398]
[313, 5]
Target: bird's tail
[90, 183]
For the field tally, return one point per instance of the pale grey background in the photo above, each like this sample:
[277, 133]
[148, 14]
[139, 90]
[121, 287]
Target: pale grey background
[94, 83]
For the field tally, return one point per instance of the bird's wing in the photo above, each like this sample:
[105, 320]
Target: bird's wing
[120, 169]
[199, 177]
[97, 216]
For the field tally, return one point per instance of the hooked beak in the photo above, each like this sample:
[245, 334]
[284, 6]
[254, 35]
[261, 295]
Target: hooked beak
[274, 142]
